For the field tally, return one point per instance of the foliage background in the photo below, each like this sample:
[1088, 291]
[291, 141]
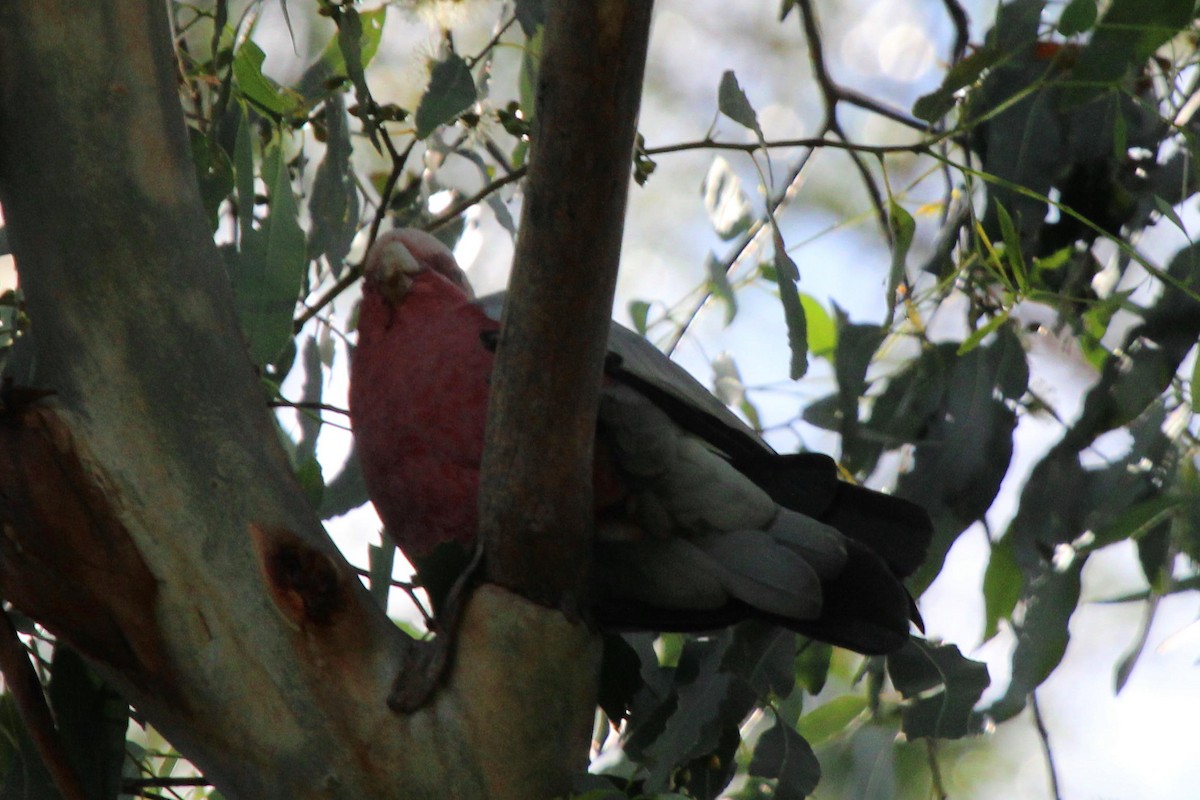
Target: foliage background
[894, 53]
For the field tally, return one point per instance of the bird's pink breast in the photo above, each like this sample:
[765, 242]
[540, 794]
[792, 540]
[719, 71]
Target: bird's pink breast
[418, 403]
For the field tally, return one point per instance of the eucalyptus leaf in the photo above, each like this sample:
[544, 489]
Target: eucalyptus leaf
[451, 91]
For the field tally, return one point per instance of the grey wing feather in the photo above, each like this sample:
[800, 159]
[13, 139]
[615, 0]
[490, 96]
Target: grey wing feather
[646, 364]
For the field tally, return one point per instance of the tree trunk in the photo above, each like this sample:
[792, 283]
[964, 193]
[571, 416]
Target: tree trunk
[150, 515]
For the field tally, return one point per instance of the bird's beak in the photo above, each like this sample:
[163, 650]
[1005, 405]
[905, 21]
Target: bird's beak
[393, 268]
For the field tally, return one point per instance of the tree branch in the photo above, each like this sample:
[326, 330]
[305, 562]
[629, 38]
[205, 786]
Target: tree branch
[150, 516]
[535, 497]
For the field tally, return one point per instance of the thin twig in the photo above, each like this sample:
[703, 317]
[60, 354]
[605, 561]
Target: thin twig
[385, 197]
[487, 48]
[308, 406]
[811, 142]
[158, 783]
[1044, 736]
[959, 17]
[832, 94]
[462, 205]
[938, 787]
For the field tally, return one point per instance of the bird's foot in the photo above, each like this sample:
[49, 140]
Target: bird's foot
[428, 662]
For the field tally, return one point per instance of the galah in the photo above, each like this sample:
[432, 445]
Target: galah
[699, 523]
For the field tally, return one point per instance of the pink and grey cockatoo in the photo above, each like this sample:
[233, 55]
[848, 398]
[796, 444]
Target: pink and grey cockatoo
[699, 523]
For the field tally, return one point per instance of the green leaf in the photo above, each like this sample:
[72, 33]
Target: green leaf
[1042, 638]
[812, 665]
[942, 687]
[270, 266]
[1137, 521]
[639, 311]
[346, 55]
[718, 284]
[345, 491]
[260, 90]
[1167, 211]
[1012, 249]
[694, 728]
[334, 204]
[1125, 37]
[243, 172]
[733, 103]
[937, 104]
[902, 226]
[310, 422]
[822, 332]
[214, 173]
[793, 311]
[308, 475]
[978, 335]
[349, 57]
[855, 350]
[1079, 16]
[783, 754]
[727, 205]
[830, 719]
[451, 91]
[1002, 585]
[762, 655]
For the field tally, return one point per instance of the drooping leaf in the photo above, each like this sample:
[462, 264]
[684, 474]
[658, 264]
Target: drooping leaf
[451, 91]
[1002, 586]
[270, 265]
[214, 172]
[902, 227]
[334, 205]
[310, 392]
[812, 665]
[345, 491]
[942, 687]
[1013, 256]
[733, 103]
[709, 701]
[935, 105]
[793, 311]
[856, 346]
[762, 655]
[967, 443]
[782, 754]
[1042, 638]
